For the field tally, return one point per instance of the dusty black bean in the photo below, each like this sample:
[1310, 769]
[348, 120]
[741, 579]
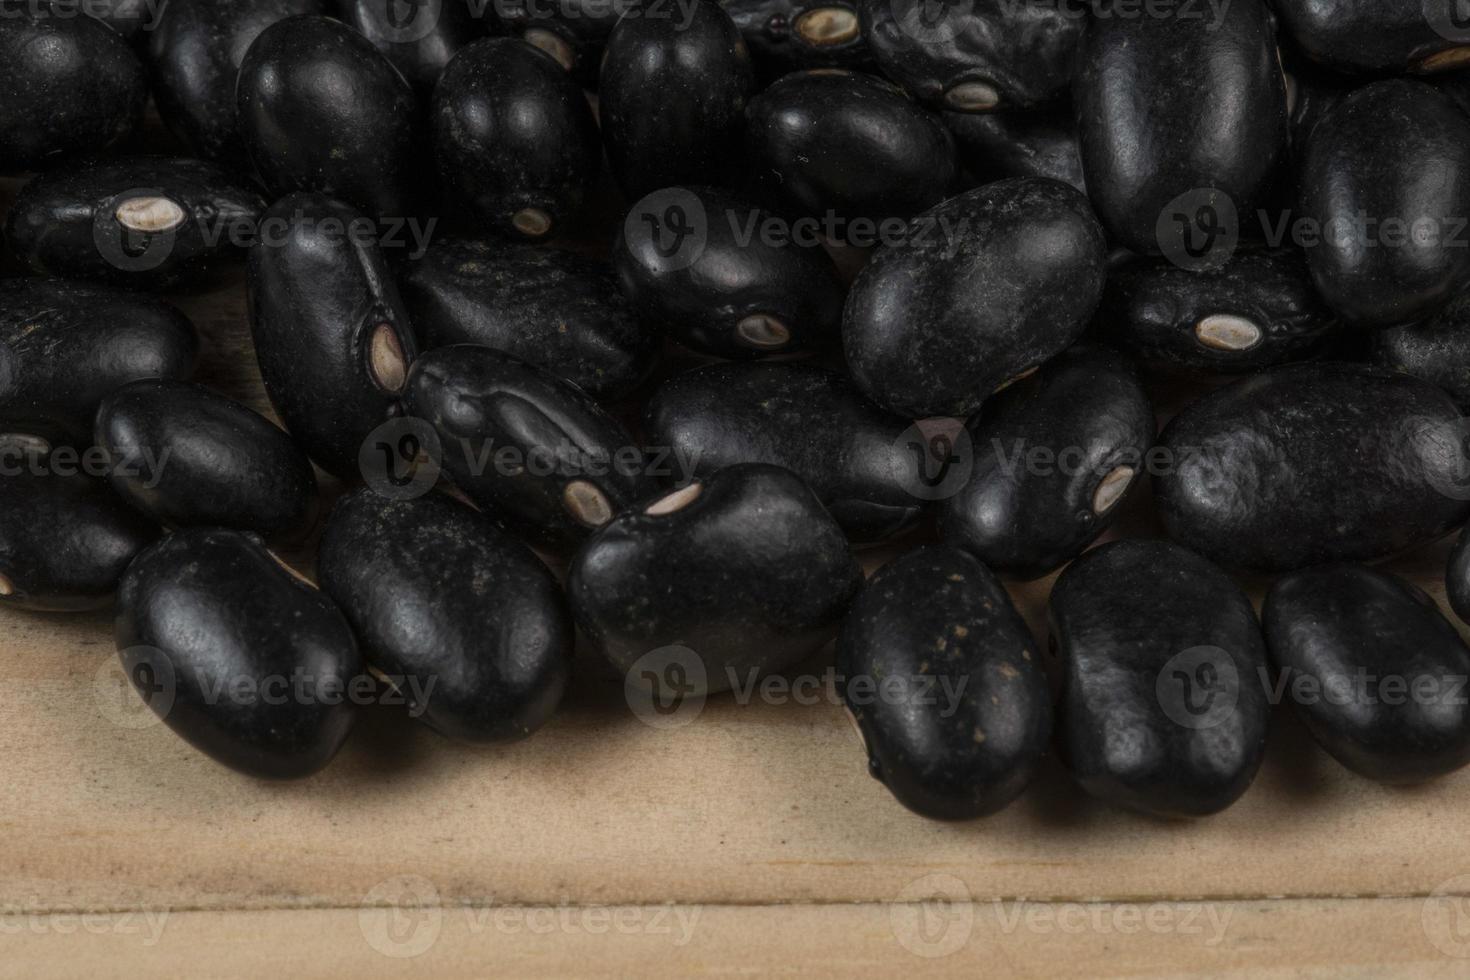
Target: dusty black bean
[559, 310]
[857, 458]
[71, 85]
[65, 345]
[987, 286]
[726, 277]
[716, 584]
[845, 146]
[1163, 709]
[672, 98]
[1377, 36]
[195, 52]
[979, 56]
[331, 335]
[941, 676]
[526, 445]
[1182, 122]
[1382, 177]
[146, 222]
[1314, 463]
[65, 538]
[465, 620]
[419, 39]
[188, 457]
[238, 654]
[1374, 669]
[1053, 457]
[793, 35]
[1257, 310]
[514, 137]
[320, 109]
[1436, 350]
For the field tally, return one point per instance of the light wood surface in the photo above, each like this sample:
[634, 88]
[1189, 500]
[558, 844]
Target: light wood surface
[747, 841]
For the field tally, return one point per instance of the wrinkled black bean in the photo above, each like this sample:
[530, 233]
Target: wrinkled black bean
[1373, 668]
[146, 222]
[65, 345]
[70, 85]
[65, 539]
[1040, 143]
[1053, 457]
[1162, 709]
[331, 335]
[559, 310]
[320, 109]
[793, 35]
[705, 266]
[1386, 177]
[987, 286]
[977, 56]
[514, 137]
[195, 53]
[1256, 310]
[844, 146]
[526, 445]
[243, 659]
[188, 457]
[1314, 463]
[857, 458]
[942, 678]
[672, 98]
[464, 619]
[716, 584]
[1182, 123]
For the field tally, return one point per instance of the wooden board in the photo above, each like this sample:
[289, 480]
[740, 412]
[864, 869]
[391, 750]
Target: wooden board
[748, 840]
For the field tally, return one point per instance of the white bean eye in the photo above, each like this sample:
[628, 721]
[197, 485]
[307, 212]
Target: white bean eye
[150, 214]
[972, 97]
[532, 222]
[828, 26]
[586, 503]
[1111, 489]
[676, 501]
[763, 332]
[386, 360]
[1228, 333]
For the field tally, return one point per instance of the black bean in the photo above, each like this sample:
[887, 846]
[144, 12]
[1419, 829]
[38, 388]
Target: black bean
[719, 582]
[706, 267]
[979, 56]
[672, 98]
[188, 457]
[1377, 36]
[420, 40]
[1381, 178]
[986, 287]
[1436, 350]
[1374, 669]
[559, 310]
[855, 456]
[792, 35]
[1314, 463]
[1053, 458]
[239, 655]
[573, 32]
[146, 222]
[1182, 121]
[463, 619]
[1038, 143]
[1257, 310]
[331, 335]
[1163, 709]
[195, 52]
[525, 445]
[941, 676]
[514, 137]
[846, 146]
[65, 538]
[321, 110]
[65, 345]
[70, 85]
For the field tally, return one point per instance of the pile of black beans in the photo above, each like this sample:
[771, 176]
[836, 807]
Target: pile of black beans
[689, 300]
